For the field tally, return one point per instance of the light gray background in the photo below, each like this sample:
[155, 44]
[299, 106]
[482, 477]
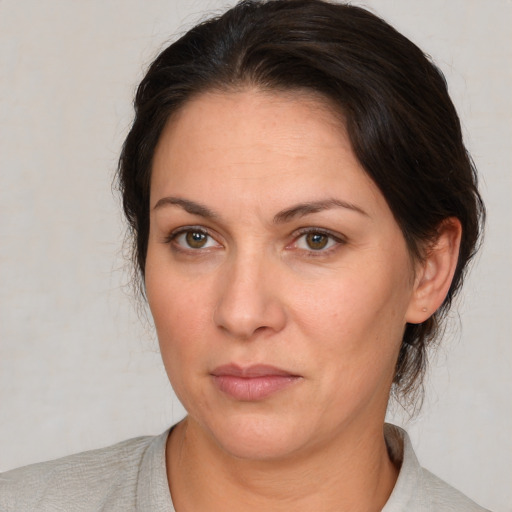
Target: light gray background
[78, 369]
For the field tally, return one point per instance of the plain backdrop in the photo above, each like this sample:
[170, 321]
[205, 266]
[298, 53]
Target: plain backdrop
[78, 368]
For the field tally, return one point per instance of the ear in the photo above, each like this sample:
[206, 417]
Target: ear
[434, 274]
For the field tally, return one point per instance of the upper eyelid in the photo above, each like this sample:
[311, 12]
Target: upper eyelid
[171, 241]
[323, 231]
[297, 233]
[336, 237]
[184, 229]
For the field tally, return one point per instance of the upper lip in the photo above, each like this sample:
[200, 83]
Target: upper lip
[253, 371]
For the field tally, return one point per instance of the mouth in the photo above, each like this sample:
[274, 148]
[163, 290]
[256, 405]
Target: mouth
[252, 383]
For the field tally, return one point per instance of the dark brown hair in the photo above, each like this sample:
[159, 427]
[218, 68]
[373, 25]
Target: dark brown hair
[401, 122]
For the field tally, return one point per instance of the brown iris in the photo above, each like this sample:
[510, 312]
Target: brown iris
[316, 241]
[196, 239]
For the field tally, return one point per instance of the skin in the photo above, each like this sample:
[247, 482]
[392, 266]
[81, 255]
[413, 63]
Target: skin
[241, 170]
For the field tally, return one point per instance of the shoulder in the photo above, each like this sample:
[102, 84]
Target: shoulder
[444, 497]
[84, 481]
[418, 490]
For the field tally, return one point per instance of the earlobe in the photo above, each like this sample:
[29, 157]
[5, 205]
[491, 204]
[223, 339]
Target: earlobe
[435, 273]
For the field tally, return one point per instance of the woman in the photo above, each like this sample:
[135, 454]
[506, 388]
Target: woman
[303, 212]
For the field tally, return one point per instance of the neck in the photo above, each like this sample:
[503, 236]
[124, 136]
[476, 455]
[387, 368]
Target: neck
[352, 473]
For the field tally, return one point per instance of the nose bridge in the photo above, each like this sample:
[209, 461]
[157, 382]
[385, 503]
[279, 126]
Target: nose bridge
[249, 300]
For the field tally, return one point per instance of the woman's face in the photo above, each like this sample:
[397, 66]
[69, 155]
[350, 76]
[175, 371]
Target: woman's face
[277, 277]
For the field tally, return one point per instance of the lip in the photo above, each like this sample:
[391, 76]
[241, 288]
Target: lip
[252, 383]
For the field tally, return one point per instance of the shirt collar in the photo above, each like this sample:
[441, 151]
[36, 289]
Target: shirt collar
[409, 492]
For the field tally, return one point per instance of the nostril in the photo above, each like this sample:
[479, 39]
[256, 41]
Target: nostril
[248, 301]
[245, 319]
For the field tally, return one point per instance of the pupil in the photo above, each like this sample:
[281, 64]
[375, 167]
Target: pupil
[195, 239]
[316, 241]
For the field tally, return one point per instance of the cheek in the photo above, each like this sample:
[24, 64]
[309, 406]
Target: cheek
[179, 314]
[354, 304]
[356, 322]
[179, 339]
[358, 348]
[174, 299]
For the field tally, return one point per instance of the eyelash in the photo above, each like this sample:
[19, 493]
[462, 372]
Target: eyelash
[171, 238]
[303, 232]
[334, 237]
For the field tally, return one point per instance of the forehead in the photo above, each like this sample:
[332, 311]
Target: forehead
[217, 119]
[280, 146]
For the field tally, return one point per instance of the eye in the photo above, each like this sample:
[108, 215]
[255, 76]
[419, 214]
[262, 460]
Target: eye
[316, 241]
[193, 238]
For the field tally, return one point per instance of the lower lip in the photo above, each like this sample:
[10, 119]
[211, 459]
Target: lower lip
[252, 389]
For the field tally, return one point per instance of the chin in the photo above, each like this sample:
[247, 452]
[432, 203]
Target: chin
[257, 437]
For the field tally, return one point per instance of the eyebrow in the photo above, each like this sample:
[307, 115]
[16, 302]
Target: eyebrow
[298, 210]
[189, 206]
[303, 209]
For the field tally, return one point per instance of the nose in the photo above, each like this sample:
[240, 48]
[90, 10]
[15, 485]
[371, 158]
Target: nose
[250, 302]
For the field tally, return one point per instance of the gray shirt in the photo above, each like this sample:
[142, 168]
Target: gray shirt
[131, 476]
